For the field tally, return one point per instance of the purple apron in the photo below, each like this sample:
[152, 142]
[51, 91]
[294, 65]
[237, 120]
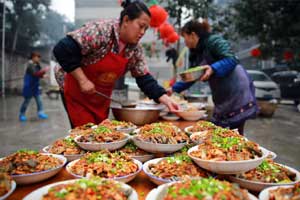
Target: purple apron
[233, 96]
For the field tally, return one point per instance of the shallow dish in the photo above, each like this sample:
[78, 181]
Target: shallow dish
[158, 193]
[39, 176]
[228, 167]
[123, 179]
[258, 186]
[264, 195]
[69, 157]
[96, 146]
[12, 189]
[38, 194]
[157, 148]
[143, 158]
[192, 115]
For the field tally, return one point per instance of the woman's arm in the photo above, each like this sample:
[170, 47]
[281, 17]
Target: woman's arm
[181, 86]
[67, 53]
[222, 52]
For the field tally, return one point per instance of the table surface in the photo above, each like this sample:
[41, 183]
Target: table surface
[141, 183]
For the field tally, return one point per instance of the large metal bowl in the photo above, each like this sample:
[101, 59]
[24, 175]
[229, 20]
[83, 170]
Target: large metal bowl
[138, 116]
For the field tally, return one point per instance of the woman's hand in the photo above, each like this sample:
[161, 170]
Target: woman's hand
[172, 106]
[208, 71]
[169, 91]
[87, 87]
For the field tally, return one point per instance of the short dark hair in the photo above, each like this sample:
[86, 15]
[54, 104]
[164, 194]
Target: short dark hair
[35, 54]
[200, 28]
[133, 9]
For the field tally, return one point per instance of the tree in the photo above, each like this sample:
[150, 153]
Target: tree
[23, 21]
[275, 24]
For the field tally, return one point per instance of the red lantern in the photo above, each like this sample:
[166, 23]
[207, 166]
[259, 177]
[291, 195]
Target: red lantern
[255, 52]
[173, 37]
[165, 30]
[158, 16]
[288, 55]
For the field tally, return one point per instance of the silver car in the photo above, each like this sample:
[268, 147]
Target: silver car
[265, 88]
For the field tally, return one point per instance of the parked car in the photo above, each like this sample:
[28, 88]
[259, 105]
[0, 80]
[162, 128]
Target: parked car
[265, 88]
[289, 83]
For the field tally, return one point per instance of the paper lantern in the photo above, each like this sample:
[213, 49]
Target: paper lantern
[255, 52]
[288, 55]
[165, 30]
[173, 37]
[158, 16]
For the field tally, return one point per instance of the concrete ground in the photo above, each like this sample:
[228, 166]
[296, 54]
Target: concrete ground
[281, 133]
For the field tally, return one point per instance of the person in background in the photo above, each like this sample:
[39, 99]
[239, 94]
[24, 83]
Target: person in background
[100, 52]
[233, 92]
[172, 54]
[31, 88]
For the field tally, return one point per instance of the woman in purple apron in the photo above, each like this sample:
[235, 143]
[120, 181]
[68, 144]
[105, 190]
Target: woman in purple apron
[233, 92]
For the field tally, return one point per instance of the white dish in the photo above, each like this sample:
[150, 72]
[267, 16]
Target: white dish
[264, 195]
[258, 186]
[143, 158]
[156, 180]
[39, 176]
[69, 157]
[157, 148]
[192, 115]
[158, 193]
[187, 130]
[126, 130]
[170, 117]
[93, 127]
[196, 140]
[123, 179]
[96, 146]
[12, 189]
[272, 155]
[228, 167]
[38, 194]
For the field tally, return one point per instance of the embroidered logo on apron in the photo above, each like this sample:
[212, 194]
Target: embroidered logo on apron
[107, 78]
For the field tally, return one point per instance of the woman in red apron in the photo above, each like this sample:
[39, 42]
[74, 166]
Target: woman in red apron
[96, 55]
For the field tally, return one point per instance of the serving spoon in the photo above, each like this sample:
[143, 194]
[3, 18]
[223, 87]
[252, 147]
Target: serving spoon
[123, 104]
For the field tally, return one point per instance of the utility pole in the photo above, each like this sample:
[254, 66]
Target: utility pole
[3, 50]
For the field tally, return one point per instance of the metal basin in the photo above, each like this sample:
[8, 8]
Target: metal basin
[138, 116]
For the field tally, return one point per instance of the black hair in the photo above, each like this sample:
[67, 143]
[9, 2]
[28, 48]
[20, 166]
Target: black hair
[133, 9]
[34, 54]
[202, 29]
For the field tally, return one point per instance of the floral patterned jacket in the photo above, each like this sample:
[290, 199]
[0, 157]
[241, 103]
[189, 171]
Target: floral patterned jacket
[96, 39]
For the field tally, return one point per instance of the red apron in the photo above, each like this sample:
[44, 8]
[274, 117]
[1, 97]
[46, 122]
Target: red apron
[84, 108]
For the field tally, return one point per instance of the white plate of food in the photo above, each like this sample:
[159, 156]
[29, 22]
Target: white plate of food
[174, 168]
[122, 126]
[107, 189]
[267, 174]
[160, 137]
[280, 192]
[7, 186]
[215, 159]
[116, 166]
[199, 127]
[66, 147]
[44, 166]
[81, 130]
[102, 138]
[200, 137]
[190, 189]
[136, 153]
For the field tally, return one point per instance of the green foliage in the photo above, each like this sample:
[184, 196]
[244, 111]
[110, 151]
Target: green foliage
[30, 21]
[275, 24]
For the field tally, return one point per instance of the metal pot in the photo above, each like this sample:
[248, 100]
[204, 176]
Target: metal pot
[138, 116]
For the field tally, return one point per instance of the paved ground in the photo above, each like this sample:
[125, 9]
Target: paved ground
[280, 134]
